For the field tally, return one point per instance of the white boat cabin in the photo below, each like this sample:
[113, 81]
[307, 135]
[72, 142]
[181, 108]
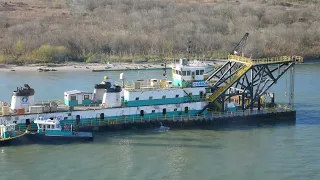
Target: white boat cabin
[189, 74]
[50, 126]
[7, 130]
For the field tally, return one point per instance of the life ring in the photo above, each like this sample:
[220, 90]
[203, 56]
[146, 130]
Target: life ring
[15, 111]
[66, 127]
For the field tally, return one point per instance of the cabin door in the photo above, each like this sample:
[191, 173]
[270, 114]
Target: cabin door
[27, 122]
[201, 95]
[192, 75]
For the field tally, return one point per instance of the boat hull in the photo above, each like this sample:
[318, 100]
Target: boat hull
[17, 140]
[42, 138]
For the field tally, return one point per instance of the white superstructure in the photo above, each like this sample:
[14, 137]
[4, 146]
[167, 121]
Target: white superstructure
[151, 98]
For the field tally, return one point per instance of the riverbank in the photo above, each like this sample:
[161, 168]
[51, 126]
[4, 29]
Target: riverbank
[94, 67]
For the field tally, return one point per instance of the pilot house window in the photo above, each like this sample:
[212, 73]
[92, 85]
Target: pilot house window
[73, 98]
[197, 72]
[86, 97]
[201, 72]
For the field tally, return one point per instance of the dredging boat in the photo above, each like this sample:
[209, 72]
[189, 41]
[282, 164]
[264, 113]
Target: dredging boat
[187, 97]
[148, 99]
[9, 134]
[235, 92]
[50, 130]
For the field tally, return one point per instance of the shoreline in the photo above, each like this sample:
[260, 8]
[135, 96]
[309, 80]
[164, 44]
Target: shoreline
[89, 67]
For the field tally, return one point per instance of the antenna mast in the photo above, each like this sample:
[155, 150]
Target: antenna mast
[189, 48]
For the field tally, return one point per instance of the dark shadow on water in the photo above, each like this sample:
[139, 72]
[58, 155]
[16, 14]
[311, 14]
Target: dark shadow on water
[151, 134]
[171, 145]
[24, 141]
[160, 138]
[308, 117]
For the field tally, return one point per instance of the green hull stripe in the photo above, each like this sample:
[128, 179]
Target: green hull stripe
[136, 117]
[163, 101]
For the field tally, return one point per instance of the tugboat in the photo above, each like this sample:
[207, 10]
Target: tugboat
[8, 133]
[50, 130]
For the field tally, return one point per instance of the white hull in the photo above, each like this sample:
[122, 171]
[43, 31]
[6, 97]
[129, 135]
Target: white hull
[193, 107]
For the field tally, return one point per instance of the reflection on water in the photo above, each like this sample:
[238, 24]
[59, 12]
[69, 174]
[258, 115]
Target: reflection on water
[125, 156]
[176, 160]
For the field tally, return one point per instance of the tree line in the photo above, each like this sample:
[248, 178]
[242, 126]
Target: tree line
[127, 30]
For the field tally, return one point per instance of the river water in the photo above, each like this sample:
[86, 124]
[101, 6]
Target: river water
[282, 152]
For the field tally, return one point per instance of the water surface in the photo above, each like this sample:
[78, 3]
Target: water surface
[284, 152]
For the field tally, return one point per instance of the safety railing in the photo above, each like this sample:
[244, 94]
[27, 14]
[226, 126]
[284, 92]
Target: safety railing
[219, 105]
[18, 134]
[270, 60]
[58, 101]
[240, 59]
[145, 85]
[24, 127]
[298, 59]
[183, 117]
[21, 128]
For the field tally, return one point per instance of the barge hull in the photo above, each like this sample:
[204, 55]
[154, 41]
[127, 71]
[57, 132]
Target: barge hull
[282, 116]
[40, 138]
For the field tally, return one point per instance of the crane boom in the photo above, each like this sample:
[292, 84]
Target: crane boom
[240, 46]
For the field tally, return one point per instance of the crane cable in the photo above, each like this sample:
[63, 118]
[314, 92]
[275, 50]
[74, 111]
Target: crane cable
[285, 92]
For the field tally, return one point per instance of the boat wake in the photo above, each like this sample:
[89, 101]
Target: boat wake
[163, 128]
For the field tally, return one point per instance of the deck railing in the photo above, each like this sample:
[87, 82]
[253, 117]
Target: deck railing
[270, 60]
[159, 117]
[184, 117]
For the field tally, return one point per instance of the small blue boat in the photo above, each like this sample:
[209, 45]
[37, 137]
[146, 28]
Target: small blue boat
[50, 130]
[9, 134]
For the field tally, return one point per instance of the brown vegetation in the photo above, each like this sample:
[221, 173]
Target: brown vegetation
[58, 30]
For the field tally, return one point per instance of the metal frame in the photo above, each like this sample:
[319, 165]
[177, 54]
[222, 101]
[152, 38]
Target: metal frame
[254, 83]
